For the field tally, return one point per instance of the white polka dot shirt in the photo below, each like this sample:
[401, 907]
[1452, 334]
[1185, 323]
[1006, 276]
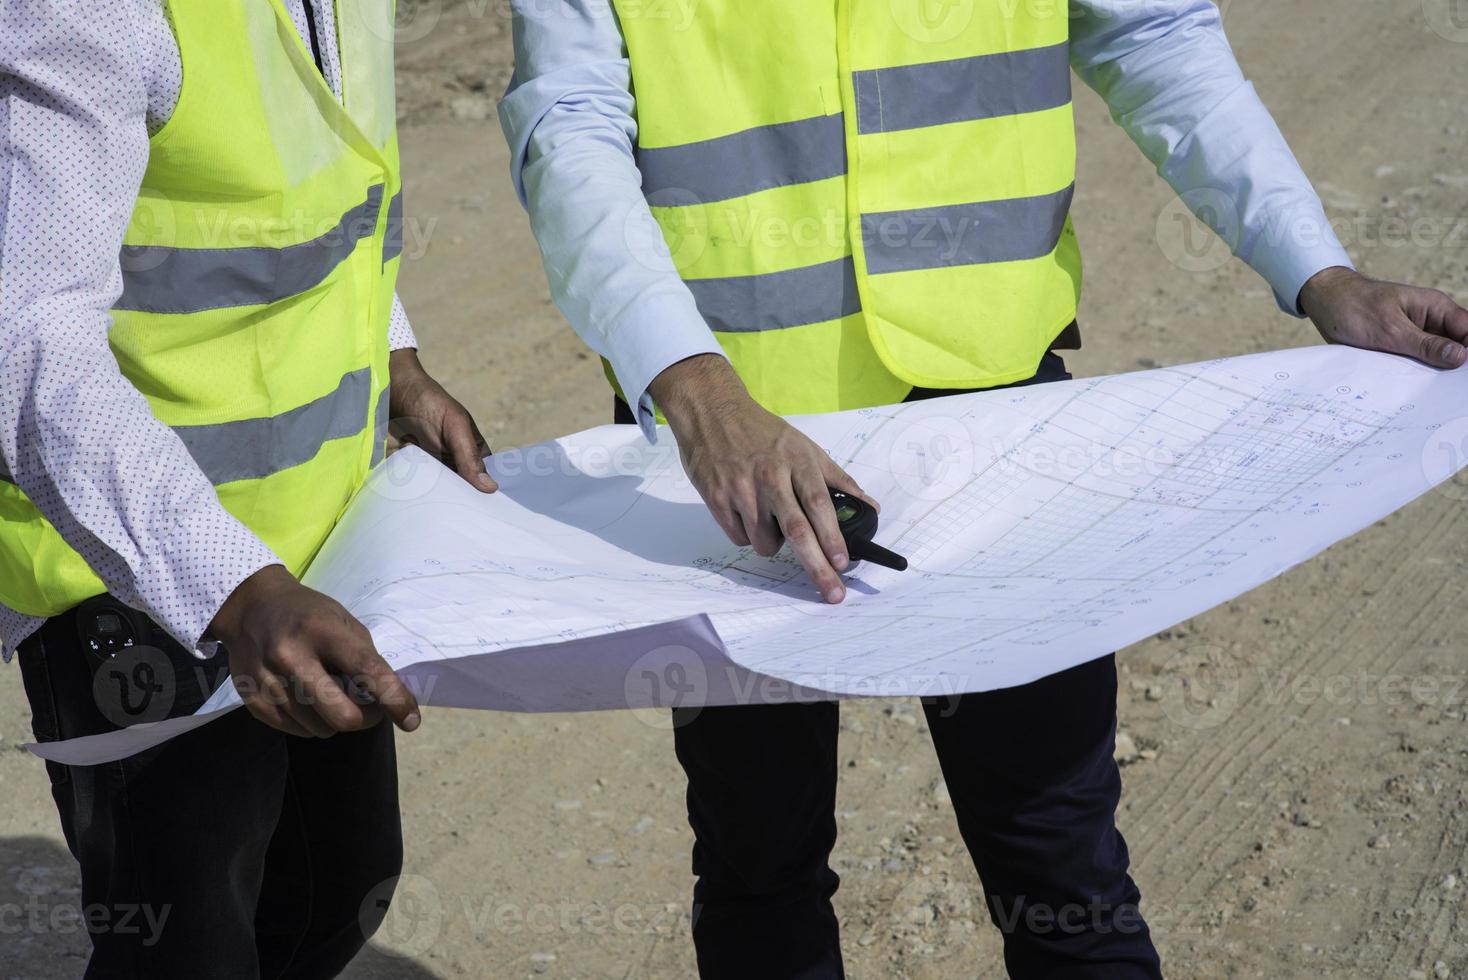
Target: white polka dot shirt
[83, 83]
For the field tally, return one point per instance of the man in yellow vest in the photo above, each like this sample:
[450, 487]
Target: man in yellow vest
[753, 208]
[200, 349]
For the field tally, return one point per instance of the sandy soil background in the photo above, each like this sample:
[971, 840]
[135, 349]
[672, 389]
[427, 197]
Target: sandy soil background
[1294, 761]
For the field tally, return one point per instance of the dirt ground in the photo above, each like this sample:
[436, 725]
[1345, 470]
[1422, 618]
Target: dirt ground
[1295, 761]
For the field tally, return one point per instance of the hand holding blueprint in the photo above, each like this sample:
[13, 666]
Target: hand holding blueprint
[1045, 526]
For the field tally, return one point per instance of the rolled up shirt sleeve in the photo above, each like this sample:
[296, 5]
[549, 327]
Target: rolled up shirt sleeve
[1171, 80]
[569, 118]
[79, 439]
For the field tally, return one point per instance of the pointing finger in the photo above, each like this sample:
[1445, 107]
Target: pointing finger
[815, 500]
[804, 542]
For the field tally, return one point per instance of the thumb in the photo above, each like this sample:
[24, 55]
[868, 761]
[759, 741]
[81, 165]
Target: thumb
[465, 445]
[1405, 337]
[839, 479]
[1441, 314]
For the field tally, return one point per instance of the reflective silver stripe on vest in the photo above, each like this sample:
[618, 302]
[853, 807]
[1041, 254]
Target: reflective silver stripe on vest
[160, 279]
[776, 300]
[742, 163]
[251, 449]
[964, 89]
[254, 448]
[392, 244]
[379, 427]
[964, 234]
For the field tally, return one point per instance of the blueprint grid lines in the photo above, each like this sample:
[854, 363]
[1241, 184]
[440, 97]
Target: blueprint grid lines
[1217, 471]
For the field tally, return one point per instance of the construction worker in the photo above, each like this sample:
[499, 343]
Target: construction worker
[200, 350]
[857, 203]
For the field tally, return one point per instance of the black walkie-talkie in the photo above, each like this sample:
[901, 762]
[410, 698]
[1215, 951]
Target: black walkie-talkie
[858, 522]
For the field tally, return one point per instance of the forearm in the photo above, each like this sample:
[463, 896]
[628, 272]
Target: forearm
[696, 388]
[1171, 81]
[569, 119]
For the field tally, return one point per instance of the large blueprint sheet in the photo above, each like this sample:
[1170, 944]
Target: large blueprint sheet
[1045, 526]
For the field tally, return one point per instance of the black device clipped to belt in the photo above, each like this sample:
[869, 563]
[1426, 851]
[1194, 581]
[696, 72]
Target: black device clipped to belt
[106, 627]
[858, 523]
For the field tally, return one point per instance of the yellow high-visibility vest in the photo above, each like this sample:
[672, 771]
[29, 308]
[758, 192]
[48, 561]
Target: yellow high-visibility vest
[258, 272]
[863, 195]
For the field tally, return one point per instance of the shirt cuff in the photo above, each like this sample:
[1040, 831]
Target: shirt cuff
[1299, 243]
[666, 328]
[209, 553]
[399, 330]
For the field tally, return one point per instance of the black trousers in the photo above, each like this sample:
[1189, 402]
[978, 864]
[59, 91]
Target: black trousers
[1034, 789]
[234, 852]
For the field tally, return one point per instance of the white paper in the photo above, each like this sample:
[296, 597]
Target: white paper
[1045, 526]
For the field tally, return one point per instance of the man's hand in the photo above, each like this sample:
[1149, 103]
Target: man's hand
[290, 649]
[430, 418]
[1349, 308]
[762, 479]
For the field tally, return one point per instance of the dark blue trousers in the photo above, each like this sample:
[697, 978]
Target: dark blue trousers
[1034, 788]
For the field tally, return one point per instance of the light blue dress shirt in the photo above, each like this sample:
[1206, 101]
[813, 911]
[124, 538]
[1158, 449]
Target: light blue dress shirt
[1164, 67]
